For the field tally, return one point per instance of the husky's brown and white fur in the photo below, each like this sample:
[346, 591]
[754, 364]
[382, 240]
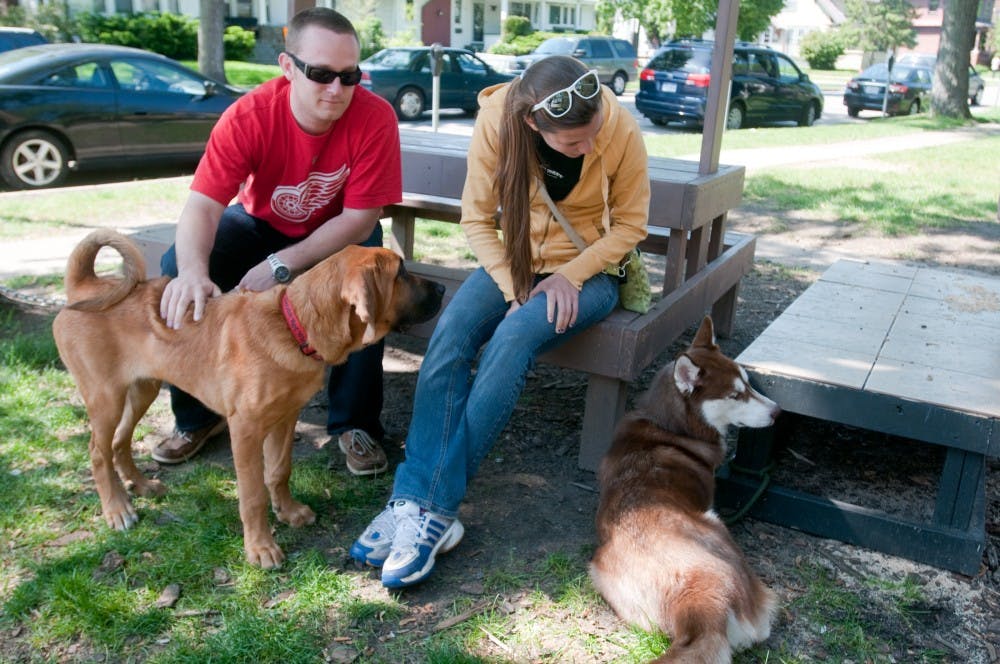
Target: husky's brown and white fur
[664, 559]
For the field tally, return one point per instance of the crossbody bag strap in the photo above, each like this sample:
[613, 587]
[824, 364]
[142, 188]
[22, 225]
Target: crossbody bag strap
[570, 231]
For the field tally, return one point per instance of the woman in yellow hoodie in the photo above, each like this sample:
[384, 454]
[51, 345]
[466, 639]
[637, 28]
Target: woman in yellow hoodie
[554, 125]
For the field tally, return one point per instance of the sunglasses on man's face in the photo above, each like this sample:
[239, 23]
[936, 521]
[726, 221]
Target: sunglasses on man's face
[326, 76]
[560, 102]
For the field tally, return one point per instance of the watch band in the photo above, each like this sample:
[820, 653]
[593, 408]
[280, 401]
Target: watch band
[279, 270]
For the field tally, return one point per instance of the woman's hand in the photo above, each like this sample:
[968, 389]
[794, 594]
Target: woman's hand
[562, 300]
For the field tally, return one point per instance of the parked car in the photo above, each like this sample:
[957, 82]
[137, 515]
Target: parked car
[767, 86]
[403, 76]
[11, 38]
[67, 106]
[909, 89]
[614, 59]
[976, 82]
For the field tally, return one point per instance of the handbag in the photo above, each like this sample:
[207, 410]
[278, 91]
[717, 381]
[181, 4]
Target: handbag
[634, 292]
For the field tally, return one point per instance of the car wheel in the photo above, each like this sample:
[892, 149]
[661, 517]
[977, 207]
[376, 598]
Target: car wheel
[976, 97]
[409, 104]
[914, 107]
[808, 115]
[735, 116]
[618, 82]
[658, 121]
[34, 159]
[853, 111]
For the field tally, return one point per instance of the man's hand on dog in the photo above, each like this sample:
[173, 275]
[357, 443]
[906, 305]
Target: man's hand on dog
[178, 295]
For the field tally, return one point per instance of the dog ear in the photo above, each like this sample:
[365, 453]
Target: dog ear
[360, 292]
[686, 374]
[705, 337]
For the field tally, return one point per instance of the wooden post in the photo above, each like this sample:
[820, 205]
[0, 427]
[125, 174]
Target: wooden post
[718, 86]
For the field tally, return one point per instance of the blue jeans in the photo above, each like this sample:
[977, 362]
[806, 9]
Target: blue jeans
[457, 416]
[354, 389]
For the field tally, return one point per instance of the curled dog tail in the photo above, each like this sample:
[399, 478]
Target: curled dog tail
[85, 291]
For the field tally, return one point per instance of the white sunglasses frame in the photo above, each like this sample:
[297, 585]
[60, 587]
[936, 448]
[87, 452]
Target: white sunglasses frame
[571, 90]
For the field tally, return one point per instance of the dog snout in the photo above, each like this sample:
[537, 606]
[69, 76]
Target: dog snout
[425, 302]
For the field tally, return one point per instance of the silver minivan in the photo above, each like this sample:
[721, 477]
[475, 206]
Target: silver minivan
[614, 59]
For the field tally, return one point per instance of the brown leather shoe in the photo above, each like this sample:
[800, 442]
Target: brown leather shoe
[364, 455]
[182, 445]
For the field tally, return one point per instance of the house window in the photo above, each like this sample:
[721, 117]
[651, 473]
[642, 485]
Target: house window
[933, 5]
[458, 12]
[562, 15]
[528, 10]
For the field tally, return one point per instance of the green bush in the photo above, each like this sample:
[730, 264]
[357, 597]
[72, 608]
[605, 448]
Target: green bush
[238, 43]
[821, 49]
[172, 35]
[370, 35]
[515, 26]
[523, 44]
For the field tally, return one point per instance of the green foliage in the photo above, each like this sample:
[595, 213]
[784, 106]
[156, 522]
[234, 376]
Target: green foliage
[821, 49]
[370, 35]
[880, 26]
[515, 26]
[172, 35]
[755, 17]
[238, 42]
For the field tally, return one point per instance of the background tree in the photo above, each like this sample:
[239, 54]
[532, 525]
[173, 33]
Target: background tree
[880, 26]
[211, 52]
[663, 19]
[950, 90]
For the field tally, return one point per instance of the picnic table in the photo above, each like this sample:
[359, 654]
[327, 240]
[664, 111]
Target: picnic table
[909, 351]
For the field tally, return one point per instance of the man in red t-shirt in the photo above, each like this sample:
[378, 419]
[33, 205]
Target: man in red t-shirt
[311, 158]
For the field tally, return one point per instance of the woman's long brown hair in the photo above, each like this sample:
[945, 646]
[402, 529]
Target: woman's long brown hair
[518, 159]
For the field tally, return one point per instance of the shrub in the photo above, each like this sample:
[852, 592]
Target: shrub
[370, 35]
[238, 43]
[515, 26]
[821, 49]
[172, 35]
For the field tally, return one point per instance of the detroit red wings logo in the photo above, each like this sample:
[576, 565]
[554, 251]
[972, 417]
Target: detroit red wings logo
[296, 204]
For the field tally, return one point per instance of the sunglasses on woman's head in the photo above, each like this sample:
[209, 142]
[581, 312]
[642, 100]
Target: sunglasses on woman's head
[559, 102]
[326, 76]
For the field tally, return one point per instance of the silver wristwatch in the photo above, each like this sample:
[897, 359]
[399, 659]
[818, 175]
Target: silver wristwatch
[279, 270]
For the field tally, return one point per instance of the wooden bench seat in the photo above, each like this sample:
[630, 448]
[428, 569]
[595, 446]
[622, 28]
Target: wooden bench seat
[702, 268]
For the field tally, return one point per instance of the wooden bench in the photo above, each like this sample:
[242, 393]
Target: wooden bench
[703, 266]
[702, 269]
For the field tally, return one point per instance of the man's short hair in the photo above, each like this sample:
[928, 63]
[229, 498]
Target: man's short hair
[321, 17]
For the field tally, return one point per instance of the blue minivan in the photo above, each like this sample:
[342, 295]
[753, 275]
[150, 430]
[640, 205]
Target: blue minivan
[11, 38]
[767, 86]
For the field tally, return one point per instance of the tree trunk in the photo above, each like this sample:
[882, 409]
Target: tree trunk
[950, 92]
[211, 53]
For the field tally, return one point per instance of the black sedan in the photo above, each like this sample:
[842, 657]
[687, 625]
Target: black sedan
[68, 106]
[403, 76]
[909, 89]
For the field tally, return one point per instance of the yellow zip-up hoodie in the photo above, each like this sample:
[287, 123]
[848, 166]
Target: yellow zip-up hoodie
[608, 207]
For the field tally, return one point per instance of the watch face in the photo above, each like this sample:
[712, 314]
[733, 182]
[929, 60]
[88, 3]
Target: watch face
[282, 274]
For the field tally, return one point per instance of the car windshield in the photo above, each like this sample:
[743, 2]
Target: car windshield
[393, 59]
[682, 59]
[877, 72]
[558, 46]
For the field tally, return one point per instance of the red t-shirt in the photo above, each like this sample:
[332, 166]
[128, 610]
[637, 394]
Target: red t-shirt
[293, 180]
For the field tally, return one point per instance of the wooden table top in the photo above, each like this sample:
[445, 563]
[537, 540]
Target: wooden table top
[925, 334]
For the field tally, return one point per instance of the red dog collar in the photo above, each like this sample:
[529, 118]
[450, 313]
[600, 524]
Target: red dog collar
[296, 328]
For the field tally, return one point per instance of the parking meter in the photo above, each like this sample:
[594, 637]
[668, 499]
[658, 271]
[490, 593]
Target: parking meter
[437, 64]
[888, 80]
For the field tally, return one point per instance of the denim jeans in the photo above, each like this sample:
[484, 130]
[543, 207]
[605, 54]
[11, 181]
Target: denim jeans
[458, 414]
[354, 389]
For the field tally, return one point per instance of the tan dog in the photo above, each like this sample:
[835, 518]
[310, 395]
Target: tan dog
[242, 360]
[664, 559]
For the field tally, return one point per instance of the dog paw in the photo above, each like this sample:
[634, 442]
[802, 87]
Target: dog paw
[295, 514]
[147, 488]
[267, 556]
[121, 519]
